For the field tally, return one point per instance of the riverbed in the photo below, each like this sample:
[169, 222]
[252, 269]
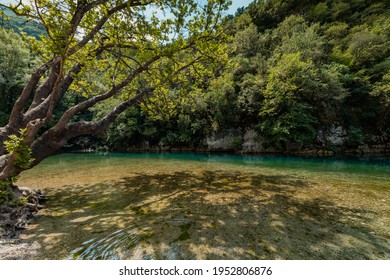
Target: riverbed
[195, 206]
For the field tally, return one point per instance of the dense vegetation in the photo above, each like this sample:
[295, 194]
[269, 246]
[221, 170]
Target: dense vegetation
[297, 70]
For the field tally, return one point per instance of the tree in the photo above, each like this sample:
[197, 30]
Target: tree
[287, 111]
[300, 96]
[100, 50]
[15, 62]
[245, 41]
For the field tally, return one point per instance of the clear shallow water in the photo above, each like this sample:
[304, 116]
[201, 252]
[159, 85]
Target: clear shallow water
[199, 206]
[182, 161]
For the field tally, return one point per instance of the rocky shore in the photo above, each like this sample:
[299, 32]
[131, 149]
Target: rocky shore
[335, 143]
[15, 218]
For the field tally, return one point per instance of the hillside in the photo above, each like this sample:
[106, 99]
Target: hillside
[8, 20]
[303, 75]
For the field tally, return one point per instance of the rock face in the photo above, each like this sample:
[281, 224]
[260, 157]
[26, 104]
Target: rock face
[13, 219]
[337, 136]
[252, 143]
[335, 141]
[377, 145]
[226, 140]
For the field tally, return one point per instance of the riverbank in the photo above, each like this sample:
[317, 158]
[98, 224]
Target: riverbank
[365, 150]
[16, 217]
[18, 250]
[250, 142]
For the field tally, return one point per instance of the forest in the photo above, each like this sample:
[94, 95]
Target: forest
[297, 73]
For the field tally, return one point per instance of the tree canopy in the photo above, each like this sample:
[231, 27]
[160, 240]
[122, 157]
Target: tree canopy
[112, 52]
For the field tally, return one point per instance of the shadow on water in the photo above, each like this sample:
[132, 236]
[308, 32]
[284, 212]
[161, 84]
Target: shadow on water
[208, 215]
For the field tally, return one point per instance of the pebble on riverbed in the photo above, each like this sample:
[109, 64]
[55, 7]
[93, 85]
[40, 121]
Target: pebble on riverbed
[13, 219]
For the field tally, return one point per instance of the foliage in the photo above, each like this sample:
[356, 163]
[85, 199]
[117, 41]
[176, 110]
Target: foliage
[236, 143]
[14, 59]
[296, 68]
[16, 62]
[355, 136]
[6, 193]
[19, 148]
[287, 111]
[245, 41]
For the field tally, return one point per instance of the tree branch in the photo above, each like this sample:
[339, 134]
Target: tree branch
[98, 127]
[18, 108]
[40, 110]
[52, 140]
[101, 23]
[92, 101]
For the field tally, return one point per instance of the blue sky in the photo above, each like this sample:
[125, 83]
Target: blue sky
[238, 4]
[233, 8]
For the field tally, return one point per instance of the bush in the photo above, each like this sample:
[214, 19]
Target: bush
[355, 136]
[236, 143]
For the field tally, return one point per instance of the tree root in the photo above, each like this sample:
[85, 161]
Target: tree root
[14, 218]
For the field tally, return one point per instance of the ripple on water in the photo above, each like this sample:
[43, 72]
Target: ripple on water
[133, 243]
[118, 245]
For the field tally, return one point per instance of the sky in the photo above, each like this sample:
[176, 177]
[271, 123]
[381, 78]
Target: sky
[233, 8]
[238, 4]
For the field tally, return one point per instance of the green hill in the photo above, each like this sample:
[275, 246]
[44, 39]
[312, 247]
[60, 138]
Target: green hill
[9, 20]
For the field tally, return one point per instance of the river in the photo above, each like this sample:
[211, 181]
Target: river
[199, 206]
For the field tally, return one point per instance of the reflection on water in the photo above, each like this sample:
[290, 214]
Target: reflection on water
[199, 206]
